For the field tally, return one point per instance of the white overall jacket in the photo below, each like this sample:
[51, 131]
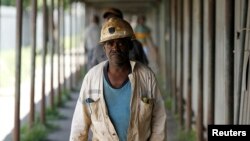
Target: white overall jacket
[148, 117]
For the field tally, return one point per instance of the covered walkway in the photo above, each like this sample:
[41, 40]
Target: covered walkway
[200, 57]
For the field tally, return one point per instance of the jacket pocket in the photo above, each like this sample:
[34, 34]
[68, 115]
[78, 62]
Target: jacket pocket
[93, 106]
[145, 111]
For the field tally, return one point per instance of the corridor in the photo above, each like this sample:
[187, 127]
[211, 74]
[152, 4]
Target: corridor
[197, 49]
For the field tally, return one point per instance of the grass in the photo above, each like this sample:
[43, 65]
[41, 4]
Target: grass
[52, 114]
[39, 132]
[65, 96]
[181, 134]
[165, 93]
[168, 103]
[186, 135]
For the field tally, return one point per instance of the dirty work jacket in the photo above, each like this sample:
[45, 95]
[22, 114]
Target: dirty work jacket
[148, 116]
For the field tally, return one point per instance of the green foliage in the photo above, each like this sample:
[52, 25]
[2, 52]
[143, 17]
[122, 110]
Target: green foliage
[52, 114]
[186, 135]
[181, 134]
[66, 95]
[38, 132]
[83, 72]
[165, 93]
[168, 103]
[26, 3]
[8, 2]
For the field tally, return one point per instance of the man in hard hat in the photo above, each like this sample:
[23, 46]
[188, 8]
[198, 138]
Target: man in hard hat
[119, 98]
[112, 12]
[136, 54]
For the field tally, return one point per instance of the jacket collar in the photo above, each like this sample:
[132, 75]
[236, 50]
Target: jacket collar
[132, 64]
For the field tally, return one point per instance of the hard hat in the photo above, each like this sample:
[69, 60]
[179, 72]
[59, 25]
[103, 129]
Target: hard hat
[113, 11]
[116, 28]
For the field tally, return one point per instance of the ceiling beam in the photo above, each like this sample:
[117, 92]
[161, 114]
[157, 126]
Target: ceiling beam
[128, 6]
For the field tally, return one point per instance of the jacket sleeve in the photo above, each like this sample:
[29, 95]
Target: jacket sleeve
[81, 121]
[159, 117]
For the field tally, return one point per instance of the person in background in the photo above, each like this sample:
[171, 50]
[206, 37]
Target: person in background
[136, 53]
[91, 38]
[119, 99]
[143, 34]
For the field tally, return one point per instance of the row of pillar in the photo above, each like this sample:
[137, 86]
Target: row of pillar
[192, 51]
[57, 46]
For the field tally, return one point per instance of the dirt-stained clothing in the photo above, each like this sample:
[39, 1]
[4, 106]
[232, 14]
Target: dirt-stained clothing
[148, 116]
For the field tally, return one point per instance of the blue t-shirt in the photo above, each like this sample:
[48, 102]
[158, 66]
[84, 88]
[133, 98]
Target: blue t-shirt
[118, 104]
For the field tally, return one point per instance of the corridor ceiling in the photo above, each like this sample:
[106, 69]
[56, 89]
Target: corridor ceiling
[128, 6]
